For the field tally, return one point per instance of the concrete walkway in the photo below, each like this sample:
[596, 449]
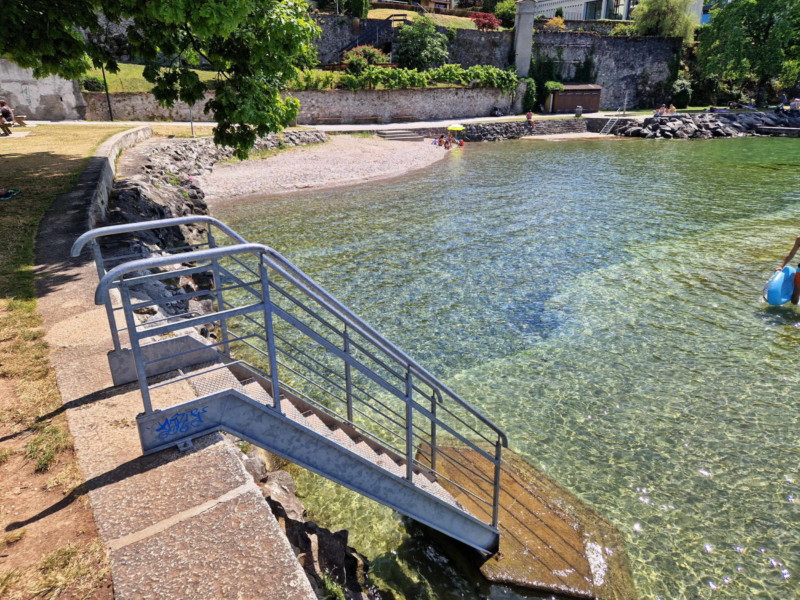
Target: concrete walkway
[189, 525]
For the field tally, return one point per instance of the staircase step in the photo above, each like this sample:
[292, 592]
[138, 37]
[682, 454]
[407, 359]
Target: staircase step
[403, 135]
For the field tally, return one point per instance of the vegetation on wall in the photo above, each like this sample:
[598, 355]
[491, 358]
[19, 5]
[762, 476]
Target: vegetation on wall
[544, 68]
[555, 24]
[586, 70]
[665, 18]
[359, 8]
[420, 45]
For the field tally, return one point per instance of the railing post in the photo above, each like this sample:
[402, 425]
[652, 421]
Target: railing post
[409, 429]
[348, 377]
[133, 334]
[223, 324]
[101, 270]
[498, 456]
[273, 358]
[436, 398]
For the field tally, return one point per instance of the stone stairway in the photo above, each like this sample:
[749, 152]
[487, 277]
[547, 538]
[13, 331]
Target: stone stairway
[400, 135]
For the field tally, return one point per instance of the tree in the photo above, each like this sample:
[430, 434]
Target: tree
[359, 8]
[255, 45]
[420, 45]
[665, 18]
[485, 21]
[752, 40]
[506, 11]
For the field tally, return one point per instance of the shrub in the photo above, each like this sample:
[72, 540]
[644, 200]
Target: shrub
[506, 11]
[449, 74]
[485, 21]
[488, 76]
[623, 30]
[420, 45]
[529, 98]
[352, 82]
[681, 93]
[313, 80]
[359, 8]
[559, 13]
[555, 24]
[553, 86]
[355, 65]
[373, 56]
[92, 84]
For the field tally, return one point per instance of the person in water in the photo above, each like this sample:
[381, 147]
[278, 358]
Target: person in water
[790, 256]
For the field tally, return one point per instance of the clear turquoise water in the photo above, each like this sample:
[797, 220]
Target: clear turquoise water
[600, 300]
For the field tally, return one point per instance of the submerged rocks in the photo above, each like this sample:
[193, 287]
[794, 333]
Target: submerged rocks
[706, 125]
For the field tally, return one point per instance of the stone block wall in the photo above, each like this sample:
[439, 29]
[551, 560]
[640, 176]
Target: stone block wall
[640, 67]
[386, 105]
[471, 47]
[141, 106]
[50, 98]
[337, 32]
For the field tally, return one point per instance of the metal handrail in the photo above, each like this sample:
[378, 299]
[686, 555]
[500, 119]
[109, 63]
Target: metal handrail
[310, 287]
[322, 320]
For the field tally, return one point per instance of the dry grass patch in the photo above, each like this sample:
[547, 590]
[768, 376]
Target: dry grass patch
[42, 165]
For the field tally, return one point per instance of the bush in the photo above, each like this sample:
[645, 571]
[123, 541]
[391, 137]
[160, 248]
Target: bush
[355, 65]
[313, 80]
[681, 93]
[373, 56]
[623, 30]
[555, 24]
[506, 11]
[553, 86]
[92, 84]
[352, 82]
[485, 21]
[529, 98]
[449, 74]
[359, 8]
[559, 13]
[420, 45]
[488, 76]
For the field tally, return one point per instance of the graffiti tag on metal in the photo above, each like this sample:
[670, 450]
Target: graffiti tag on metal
[181, 422]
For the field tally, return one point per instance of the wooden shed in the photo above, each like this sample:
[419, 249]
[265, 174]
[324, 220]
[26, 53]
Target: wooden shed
[586, 95]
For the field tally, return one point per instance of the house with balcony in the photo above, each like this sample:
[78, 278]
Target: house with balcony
[590, 10]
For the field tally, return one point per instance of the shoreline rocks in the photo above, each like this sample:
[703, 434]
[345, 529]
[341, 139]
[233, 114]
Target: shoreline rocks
[706, 125]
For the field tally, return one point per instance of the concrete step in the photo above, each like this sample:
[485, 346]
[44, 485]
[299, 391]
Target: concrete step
[400, 135]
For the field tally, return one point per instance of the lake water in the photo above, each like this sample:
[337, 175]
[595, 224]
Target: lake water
[600, 300]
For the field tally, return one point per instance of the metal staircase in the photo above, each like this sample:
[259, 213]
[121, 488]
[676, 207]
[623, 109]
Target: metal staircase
[228, 335]
[609, 126]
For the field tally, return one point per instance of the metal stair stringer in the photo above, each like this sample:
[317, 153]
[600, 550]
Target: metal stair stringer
[235, 413]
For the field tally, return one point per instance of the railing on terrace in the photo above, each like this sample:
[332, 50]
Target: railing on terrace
[273, 321]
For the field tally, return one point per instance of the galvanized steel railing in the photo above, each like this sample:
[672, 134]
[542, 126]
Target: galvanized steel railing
[275, 321]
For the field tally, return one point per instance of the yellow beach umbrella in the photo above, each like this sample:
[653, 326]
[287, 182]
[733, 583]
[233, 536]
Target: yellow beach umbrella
[455, 127]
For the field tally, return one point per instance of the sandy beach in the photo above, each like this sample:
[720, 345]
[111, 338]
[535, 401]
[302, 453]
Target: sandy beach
[343, 160]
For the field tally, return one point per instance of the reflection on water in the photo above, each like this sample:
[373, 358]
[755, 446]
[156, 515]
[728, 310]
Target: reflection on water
[601, 302]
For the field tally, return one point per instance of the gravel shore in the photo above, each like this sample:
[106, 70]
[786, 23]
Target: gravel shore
[344, 160]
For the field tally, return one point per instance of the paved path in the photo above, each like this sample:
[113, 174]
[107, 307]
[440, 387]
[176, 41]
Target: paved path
[189, 525]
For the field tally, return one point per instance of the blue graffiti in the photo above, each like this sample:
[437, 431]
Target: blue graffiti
[181, 422]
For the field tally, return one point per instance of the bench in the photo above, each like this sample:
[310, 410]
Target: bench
[20, 120]
[5, 127]
[323, 120]
[398, 118]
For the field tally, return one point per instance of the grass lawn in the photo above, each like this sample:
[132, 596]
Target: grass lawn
[129, 78]
[443, 20]
[36, 454]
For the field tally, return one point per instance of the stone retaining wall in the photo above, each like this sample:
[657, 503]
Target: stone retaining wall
[510, 130]
[50, 98]
[384, 106]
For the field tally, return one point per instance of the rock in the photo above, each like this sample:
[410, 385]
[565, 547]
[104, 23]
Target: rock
[279, 489]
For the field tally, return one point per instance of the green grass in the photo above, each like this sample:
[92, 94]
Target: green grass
[443, 20]
[130, 79]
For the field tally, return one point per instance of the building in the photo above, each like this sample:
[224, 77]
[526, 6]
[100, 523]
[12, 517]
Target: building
[590, 10]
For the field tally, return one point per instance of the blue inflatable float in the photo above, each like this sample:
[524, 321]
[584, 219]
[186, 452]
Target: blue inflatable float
[780, 286]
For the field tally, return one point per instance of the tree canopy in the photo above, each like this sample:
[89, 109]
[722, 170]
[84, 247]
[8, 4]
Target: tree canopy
[255, 45]
[665, 18]
[755, 40]
[420, 45]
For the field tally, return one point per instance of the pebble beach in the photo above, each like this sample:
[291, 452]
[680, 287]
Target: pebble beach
[343, 160]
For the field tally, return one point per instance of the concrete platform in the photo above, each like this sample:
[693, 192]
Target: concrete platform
[549, 540]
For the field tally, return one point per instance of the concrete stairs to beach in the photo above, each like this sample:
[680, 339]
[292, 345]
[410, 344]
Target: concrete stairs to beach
[400, 135]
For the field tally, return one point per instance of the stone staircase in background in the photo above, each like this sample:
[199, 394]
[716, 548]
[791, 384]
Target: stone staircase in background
[400, 135]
